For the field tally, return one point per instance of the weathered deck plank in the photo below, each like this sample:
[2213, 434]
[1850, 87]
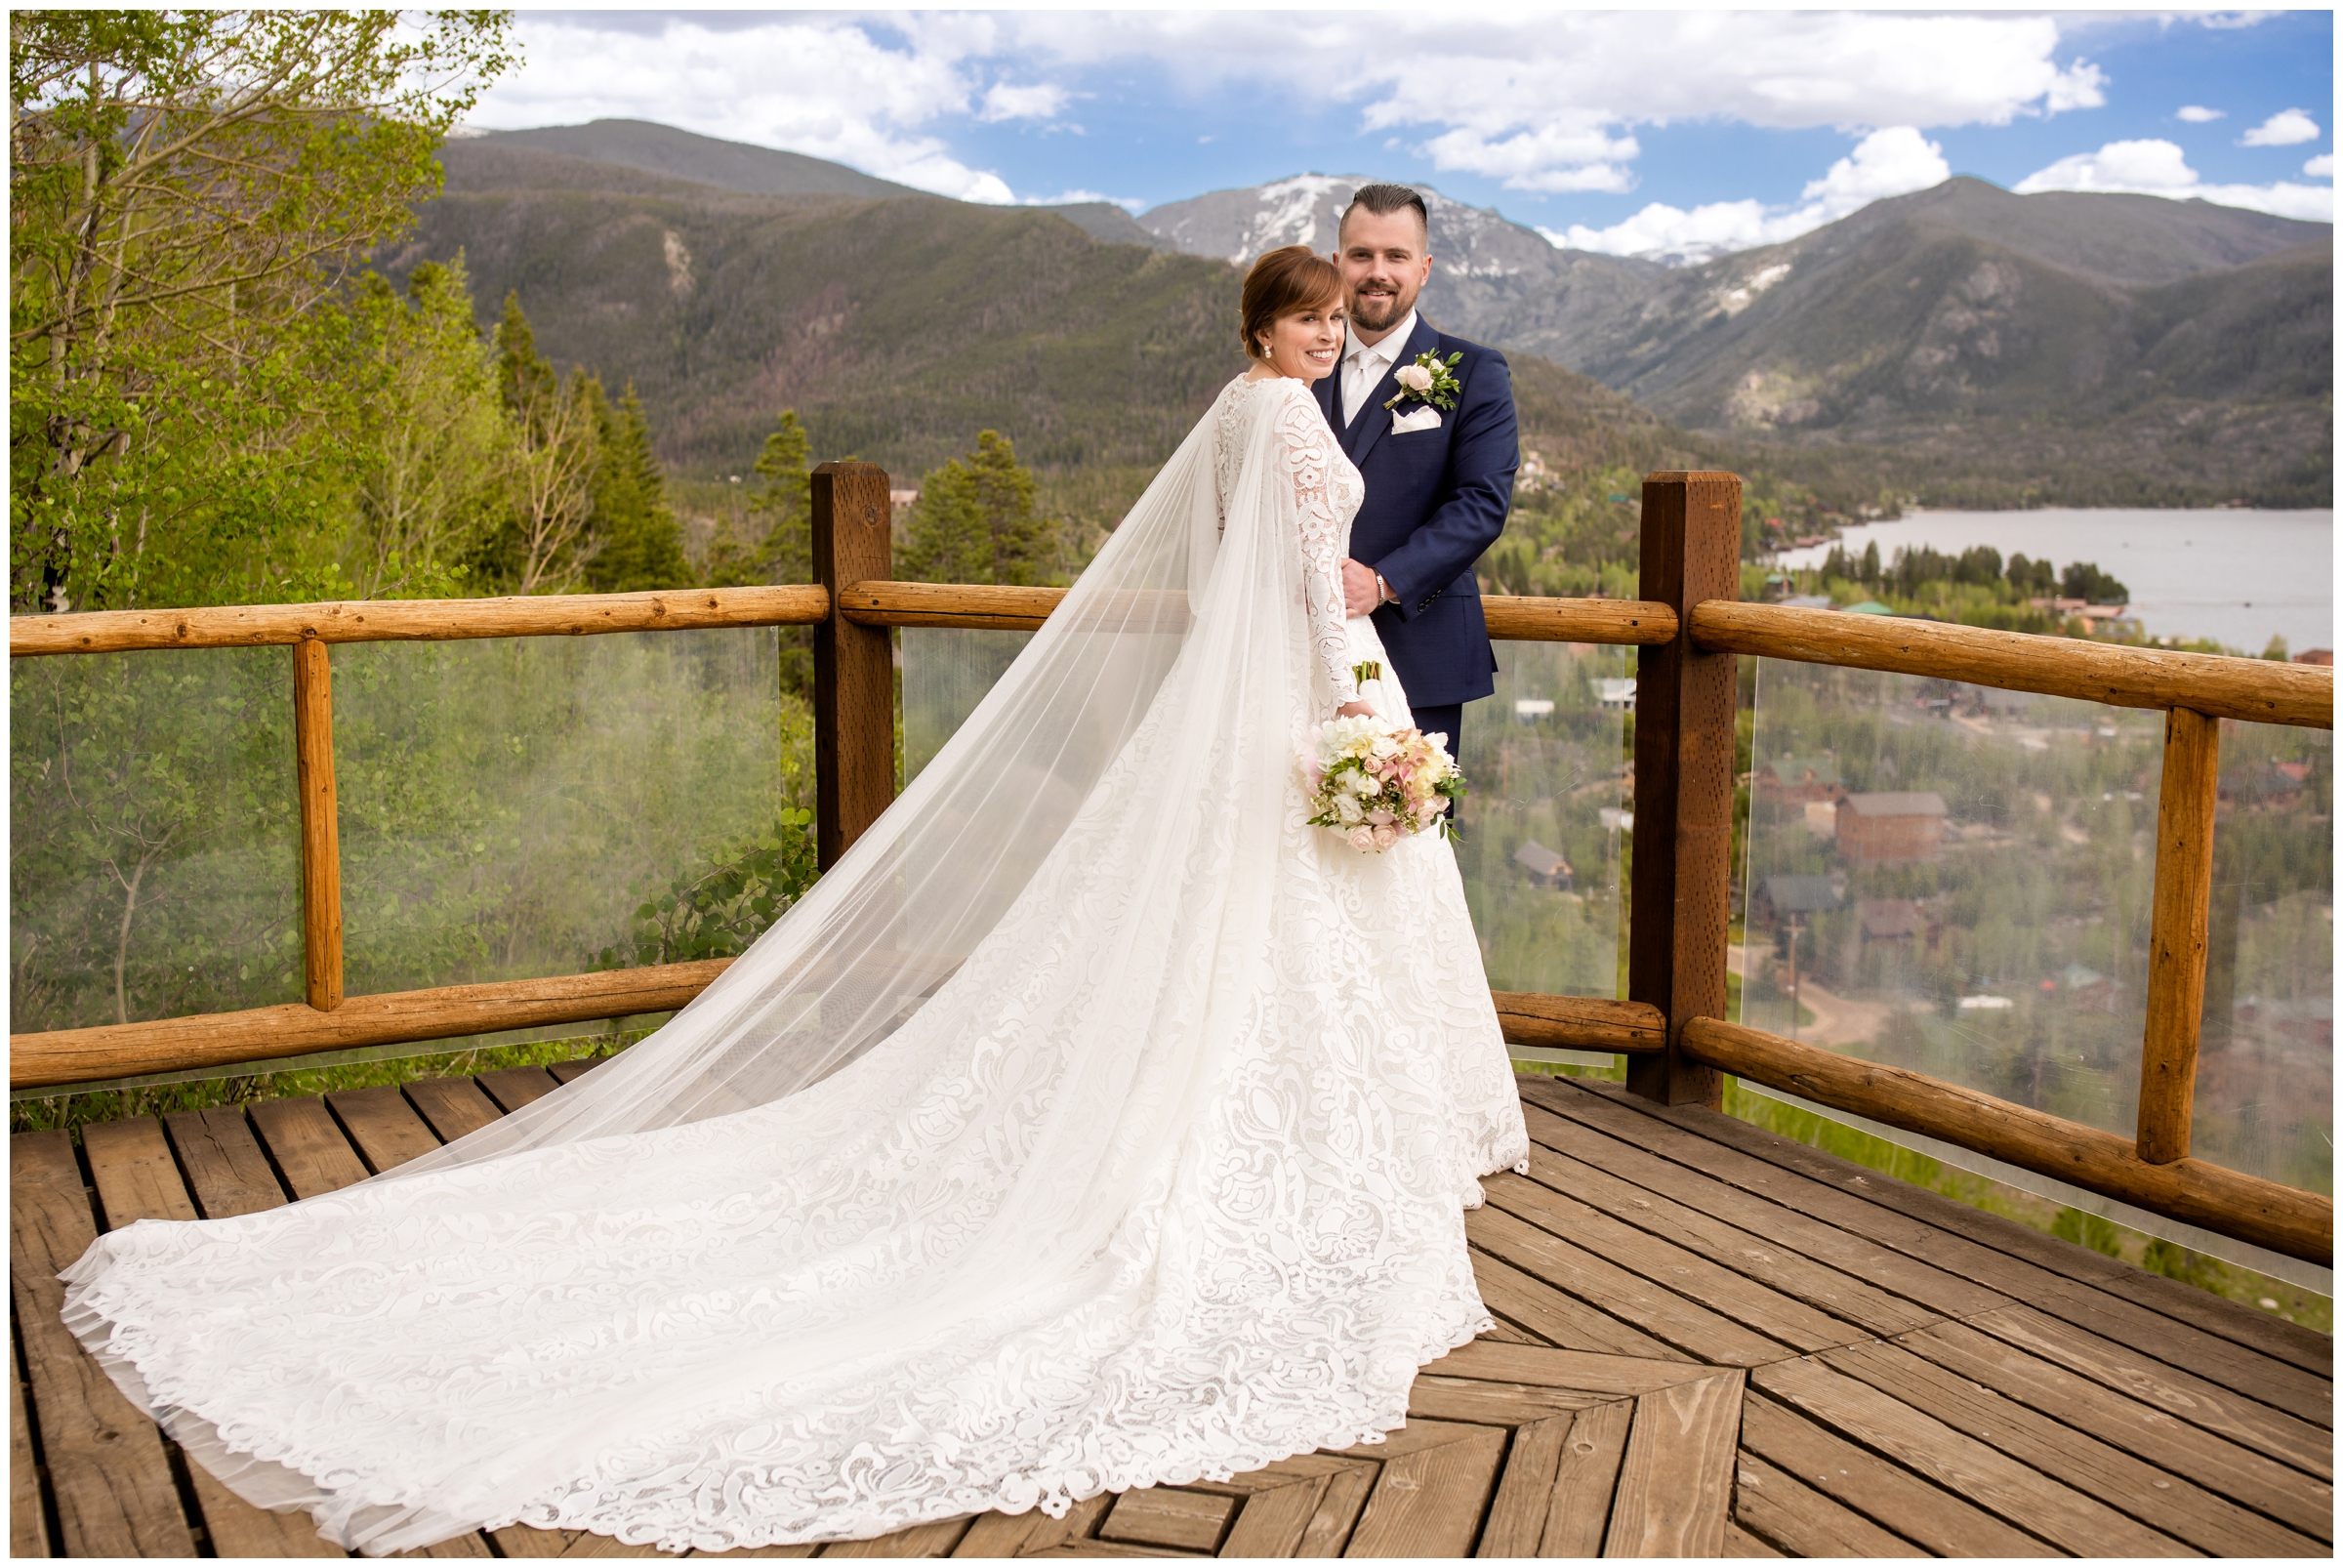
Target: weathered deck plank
[106, 1471]
[1916, 1379]
[27, 1519]
[2169, 1502]
[2021, 1264]
[1977, 1472]
[381, 1126]
[2057, 1265]
[307, 1145]
[2160, 1439]
[226, 1172]
[1676, 1485]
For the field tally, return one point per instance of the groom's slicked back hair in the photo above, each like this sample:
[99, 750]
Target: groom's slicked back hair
[1385, 200]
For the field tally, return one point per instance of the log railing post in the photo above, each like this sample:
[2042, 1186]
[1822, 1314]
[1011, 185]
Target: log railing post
[2176, 935]
[321, 836]
[1682, 890]
[853, 666]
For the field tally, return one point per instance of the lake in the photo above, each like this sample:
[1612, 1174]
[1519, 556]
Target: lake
[2240, 577]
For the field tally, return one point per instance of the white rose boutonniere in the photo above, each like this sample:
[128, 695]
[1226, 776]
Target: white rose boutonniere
[1428, 379]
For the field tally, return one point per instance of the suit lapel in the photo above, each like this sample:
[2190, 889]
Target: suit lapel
[1327, 390]
[1374, 419]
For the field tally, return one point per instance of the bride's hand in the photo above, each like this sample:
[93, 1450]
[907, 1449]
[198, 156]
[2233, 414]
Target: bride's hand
[1355, 710]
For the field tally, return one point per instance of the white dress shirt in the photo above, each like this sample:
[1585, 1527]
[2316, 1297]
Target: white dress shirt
[1363, 364]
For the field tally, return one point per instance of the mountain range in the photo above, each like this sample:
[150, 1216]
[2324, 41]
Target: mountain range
[1963, 342]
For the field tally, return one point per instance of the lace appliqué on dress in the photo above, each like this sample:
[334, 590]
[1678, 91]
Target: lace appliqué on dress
[1327, 493]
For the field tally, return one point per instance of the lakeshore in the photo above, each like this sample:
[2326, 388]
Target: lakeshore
[2240, 577]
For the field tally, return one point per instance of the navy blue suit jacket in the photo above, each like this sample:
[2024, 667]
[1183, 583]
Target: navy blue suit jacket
[1435, 500]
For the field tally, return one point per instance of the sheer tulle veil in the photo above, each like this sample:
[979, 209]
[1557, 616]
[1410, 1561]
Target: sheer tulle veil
[1180, 605]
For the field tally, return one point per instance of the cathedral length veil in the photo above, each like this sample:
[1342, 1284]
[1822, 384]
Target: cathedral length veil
[1132, 943]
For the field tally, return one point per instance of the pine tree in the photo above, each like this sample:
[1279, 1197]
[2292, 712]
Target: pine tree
[974, 522]
[640, 545]
[783, 502]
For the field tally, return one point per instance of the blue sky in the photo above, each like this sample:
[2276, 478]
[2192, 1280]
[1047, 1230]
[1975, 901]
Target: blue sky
[1625, 131]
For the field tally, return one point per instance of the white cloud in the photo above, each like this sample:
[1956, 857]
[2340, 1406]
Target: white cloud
[1548, 101]
[1041, 100]
[1886, 163]
[2198, 115]
[2284, 129]
[813, 85]
[2322, 166]
[2159, 168]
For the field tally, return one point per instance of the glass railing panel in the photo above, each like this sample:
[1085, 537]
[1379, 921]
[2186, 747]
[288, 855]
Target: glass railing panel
[1965, 879]
[1544, 822]
[946, 673]
[2264, 1065]
[1954, 880]
[154, 837]
[531, 807]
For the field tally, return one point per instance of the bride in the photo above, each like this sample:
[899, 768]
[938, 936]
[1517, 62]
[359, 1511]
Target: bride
[1093, 1123]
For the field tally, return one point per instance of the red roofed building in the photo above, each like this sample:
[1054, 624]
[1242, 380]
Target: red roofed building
[1901, 828]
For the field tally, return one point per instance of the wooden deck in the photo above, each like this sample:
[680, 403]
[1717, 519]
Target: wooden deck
[1713, 1341]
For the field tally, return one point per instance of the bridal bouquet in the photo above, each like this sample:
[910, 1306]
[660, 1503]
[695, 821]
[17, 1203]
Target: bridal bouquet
[1375, 783]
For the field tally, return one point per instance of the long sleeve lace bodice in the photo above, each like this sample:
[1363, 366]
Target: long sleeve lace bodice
[1326, 492]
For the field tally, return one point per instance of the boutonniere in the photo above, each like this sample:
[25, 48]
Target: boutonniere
[1427, 379]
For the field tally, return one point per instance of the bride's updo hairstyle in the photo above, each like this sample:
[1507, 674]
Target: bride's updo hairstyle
[1283, 282]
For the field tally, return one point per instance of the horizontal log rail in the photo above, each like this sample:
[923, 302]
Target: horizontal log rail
[1580, 1022]
[414, 620]
[2221, 687]
[1628, 622]
[2268, 1213]
[115, 1051]
[971, 604]
[389, 1018]
[1510, 618]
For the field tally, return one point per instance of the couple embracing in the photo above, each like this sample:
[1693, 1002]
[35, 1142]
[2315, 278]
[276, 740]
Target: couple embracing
[1094, 1122]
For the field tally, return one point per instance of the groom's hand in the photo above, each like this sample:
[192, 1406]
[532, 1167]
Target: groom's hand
[1361, 592]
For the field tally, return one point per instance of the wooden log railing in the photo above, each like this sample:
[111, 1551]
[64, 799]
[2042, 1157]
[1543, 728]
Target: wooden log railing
[2268, 1213]
[1688, 629]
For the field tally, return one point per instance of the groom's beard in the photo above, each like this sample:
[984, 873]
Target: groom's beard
[1380, 317]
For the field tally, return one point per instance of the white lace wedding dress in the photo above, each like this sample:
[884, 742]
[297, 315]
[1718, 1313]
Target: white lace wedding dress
[1094, 1124]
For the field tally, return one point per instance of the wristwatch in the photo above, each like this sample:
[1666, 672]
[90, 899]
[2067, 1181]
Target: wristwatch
[1383, 588]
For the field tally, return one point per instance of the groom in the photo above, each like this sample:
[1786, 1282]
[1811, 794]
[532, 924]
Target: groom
[1439, 480]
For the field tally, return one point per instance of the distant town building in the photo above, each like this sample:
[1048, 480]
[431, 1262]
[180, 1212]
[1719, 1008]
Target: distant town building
[1546, 869]
[1902, 828]
[1798, 778]
[2087, 989]
[2094, 617]
[1529, 710]
[1897, 923]
[2325, 656]
[1870, 607]
[1779, 898]
[2265, 787]
[1616, 694]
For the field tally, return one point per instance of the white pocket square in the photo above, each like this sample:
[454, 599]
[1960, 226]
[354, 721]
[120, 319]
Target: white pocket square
[1423, 418]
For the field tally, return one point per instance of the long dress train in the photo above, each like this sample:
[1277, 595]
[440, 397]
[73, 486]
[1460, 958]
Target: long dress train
[1094, 1124]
